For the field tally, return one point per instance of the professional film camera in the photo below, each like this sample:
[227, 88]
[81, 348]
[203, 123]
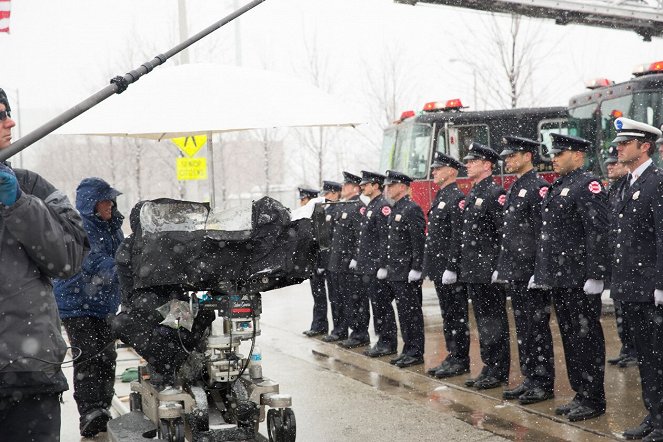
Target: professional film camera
[219, 263]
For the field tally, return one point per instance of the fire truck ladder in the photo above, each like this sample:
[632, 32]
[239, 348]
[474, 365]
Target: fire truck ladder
[645, 17]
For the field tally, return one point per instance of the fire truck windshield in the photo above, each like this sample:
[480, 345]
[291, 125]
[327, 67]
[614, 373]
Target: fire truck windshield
[406, 148]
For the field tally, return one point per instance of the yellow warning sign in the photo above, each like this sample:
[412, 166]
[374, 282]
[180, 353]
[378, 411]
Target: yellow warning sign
[190, 145]
[191, 169]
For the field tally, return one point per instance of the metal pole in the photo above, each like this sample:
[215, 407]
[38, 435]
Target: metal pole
[118, 85]
[210, 179]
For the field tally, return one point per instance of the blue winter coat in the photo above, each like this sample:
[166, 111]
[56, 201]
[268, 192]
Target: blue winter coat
[95, 291]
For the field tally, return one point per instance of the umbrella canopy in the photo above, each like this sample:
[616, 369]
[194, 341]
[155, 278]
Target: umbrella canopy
[203, 98]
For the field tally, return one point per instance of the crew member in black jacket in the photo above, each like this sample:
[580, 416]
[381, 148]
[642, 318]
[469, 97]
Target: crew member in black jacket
[571, 259]
[441, 264]
[372, 237]
[515, 265]
[637, 264]
[401, 266]
[480, 246]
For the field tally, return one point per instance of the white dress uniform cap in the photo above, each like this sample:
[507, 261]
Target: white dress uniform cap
[628, 129]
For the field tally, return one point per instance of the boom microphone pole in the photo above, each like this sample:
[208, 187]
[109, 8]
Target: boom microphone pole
[118, 85]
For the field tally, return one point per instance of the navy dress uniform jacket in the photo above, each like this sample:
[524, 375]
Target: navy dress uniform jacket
[373, 236]
[522, 225]
[637, 263]
[445, 226]
[347, 217]
[574, 245]
[405, 240]
[482, 225]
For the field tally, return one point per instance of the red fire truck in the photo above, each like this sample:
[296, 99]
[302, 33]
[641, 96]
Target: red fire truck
[409, 143]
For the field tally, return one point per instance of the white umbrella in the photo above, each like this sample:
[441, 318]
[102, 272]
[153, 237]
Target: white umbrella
[196, 99]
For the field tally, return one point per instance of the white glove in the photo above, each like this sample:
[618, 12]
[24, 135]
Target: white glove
[449, 277]
[533, 285]
[413, 276]
[658, 297]
[593, 287]
[353, 265]
[382, 274]
[493, 278]
[321, 271]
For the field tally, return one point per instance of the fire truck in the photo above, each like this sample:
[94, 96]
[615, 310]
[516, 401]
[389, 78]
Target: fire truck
[409, 143]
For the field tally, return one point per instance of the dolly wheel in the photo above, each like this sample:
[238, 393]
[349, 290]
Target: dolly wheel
[274, 426]
[172, 430]
[289, 425]
[135, 401]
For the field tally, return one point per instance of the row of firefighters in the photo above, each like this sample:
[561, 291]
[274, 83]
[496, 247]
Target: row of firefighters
[541, 244]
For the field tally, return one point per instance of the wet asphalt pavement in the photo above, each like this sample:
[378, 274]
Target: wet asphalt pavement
[341, 395]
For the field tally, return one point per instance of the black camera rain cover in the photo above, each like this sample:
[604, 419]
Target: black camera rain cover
[240, 250]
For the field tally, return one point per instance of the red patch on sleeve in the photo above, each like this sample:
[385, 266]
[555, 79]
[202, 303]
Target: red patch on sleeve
[594, 187]
[543, 192]
[461, 204]
[362, 210]
[501, 200]
[386, 210]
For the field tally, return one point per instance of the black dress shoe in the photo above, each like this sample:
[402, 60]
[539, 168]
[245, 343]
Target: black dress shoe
[444, 364]
[565, 409]
[471, 381]
[409, 361]
[615, 361]
[354, 342]
[534, 395]
[453, 369]
[311, 333]
[628, 361]
[94, 422]
[488, 382]
[640, 431]
[514, 393]
[377, 351]
[331, 338]
[584, 412]
[393, 361]
[654, 436]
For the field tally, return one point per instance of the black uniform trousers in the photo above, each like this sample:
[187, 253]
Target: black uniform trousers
[531, 312]
[33, 418]
[384, 317]
[319, 292]
[356, 307]
[624, 332]
[94, 368]
[410, 315]
[455, 321]
[646, 325]
[337, 305]
[578, 315]
[489, 304]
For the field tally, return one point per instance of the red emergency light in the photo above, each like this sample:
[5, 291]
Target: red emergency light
[241, 310]
[598, 83]
[407, 114]
[648, 68]
[454, 104]
[616, 113]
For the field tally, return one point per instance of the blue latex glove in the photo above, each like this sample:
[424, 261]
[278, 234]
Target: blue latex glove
[9, 190]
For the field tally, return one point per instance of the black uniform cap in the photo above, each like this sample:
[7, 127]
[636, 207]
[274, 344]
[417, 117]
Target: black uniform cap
[628, 129]
[611, 157]
[371, 177]
[442, 160]
[4, 100]
[512, 144]
[393, 177]
[330, 186]
[350, 178]
[561, 143]
[307, 193]
[478, 151]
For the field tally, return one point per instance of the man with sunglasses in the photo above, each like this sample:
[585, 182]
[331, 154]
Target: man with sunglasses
[41, 237]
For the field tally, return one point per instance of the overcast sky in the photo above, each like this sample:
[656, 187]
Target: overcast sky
[61, 51]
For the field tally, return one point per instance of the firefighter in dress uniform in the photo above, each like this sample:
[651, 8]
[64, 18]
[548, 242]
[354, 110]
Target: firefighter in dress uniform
[331, 191]
[441, 263]
[515, 265]
[319, 324]
[637, 264]
[480, 245]
[401, 266]
[372, 237]
[571, 260]
[347, 223]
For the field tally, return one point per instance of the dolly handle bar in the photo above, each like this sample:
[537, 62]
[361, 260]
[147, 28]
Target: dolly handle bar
[117, 85]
